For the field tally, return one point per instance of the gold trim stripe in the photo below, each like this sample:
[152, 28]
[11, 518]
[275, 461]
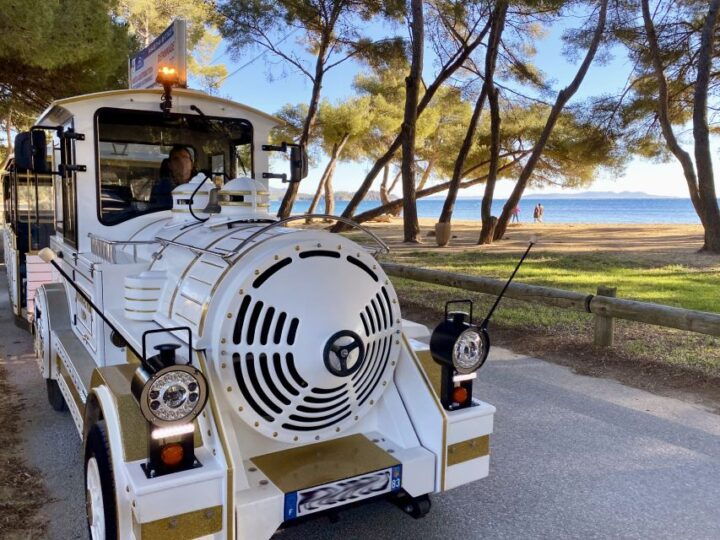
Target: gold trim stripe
[467, 450]
[143, 288]
[184, 317]
[201, 281]
[193, 524]
[213, 264]
[186, 297]
[230, 503]
[247, 192]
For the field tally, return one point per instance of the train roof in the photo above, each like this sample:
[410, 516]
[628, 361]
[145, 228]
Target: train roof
[108, 98]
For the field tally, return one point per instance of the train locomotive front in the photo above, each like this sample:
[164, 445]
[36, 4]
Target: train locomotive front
[302, 326]
[229, 372]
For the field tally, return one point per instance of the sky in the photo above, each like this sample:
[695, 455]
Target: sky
[264, 83]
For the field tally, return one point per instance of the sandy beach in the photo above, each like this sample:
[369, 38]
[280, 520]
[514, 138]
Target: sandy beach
[657, 242]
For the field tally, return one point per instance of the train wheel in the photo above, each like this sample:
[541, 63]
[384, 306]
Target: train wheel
[99, 485]
[55, 397]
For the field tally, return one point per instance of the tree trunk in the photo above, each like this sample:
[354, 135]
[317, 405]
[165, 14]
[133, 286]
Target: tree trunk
[664, 115]
[395, 182]
[329, 195]
[8, 132]
[562, 98]
[384, 185]
[327, 173]
[444, 74]
[396, 205]
[319, 190]
[292, 189]
[701, 133]
[411, 227]
[426, 174]
[489, 223]
[496, 28]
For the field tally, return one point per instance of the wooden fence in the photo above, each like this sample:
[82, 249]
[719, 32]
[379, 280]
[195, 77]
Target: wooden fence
[603, 305]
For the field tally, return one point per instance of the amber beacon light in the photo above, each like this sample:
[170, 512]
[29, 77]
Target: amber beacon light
[168, 77]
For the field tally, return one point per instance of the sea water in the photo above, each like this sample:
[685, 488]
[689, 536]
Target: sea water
[556, 210]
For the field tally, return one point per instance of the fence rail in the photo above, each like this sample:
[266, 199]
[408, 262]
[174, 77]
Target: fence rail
[603, 306]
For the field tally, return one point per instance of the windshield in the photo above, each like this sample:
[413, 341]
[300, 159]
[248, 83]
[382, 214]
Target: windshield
[144, 155]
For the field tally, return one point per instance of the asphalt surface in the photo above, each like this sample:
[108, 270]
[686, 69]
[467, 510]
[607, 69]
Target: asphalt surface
[571, 457]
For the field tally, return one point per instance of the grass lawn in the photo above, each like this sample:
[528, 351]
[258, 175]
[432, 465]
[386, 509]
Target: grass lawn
[636, 278]
[547, 331]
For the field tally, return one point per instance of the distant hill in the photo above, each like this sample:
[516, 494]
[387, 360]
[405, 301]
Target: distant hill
[597, 195]
[276, 194]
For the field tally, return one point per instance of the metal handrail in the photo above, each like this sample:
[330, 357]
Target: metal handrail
[383, 246]
[105, 248]
[227, 254]
[194, 249]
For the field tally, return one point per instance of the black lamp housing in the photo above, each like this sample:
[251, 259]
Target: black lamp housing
[442, 343]
[165, 358]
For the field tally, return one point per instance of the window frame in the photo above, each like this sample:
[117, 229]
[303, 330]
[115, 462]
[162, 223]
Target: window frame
[68, 156]
[98, 179]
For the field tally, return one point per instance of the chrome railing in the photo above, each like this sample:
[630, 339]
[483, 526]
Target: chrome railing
[228, 254]
[108, 250]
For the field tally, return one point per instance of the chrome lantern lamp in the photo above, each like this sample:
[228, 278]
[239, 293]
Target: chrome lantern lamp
[461, 347]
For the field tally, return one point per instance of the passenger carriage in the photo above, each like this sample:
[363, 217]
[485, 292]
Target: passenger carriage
[227, 373]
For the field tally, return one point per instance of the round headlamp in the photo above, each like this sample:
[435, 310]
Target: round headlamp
[469, 351]
[174, 394]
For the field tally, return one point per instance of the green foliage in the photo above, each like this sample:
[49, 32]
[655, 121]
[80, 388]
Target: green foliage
[327, 28]
[146, 19]
[57, 48]
[678, 25]
[348, 120]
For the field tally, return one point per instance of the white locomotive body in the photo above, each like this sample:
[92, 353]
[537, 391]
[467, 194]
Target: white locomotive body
[286, 381]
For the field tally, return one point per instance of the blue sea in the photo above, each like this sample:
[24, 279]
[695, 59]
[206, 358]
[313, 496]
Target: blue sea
[556, 210]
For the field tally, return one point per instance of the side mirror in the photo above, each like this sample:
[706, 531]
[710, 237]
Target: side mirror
[31, 151]
[298, 163]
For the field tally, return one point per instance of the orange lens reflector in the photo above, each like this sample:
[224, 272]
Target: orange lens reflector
[172, 454]
[460, 394]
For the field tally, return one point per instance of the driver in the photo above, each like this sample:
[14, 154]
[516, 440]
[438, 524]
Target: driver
[177, 169]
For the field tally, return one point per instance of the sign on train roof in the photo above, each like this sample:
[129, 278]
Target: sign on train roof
[168, 49]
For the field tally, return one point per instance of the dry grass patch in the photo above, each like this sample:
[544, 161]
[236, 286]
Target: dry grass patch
[22, 492]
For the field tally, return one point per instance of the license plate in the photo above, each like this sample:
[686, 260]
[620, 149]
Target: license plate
[349, 490]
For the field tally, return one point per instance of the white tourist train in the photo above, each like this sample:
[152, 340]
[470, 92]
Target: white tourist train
[227, 373]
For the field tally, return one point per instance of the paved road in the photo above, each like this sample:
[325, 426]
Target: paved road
[572, 457]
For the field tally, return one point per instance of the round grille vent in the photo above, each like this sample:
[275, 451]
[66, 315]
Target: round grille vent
[312, 341]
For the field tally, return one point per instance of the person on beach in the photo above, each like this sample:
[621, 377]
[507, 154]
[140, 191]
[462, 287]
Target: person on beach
[541, 212]
[536, 213]
[515, 215]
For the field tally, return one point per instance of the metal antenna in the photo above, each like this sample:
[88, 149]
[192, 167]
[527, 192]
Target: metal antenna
[502, 293]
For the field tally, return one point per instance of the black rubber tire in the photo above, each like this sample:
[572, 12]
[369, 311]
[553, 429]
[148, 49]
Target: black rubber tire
[54, 395]
[97, 446]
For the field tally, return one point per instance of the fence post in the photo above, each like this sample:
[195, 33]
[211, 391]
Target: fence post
[604, 326]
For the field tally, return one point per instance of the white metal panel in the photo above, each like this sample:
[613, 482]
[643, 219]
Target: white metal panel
[259, 507]
[469, 423]
[466, 472]
[176, 493]
[424, 410]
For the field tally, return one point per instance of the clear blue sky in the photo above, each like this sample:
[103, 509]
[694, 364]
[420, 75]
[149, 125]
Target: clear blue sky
[268, 84]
